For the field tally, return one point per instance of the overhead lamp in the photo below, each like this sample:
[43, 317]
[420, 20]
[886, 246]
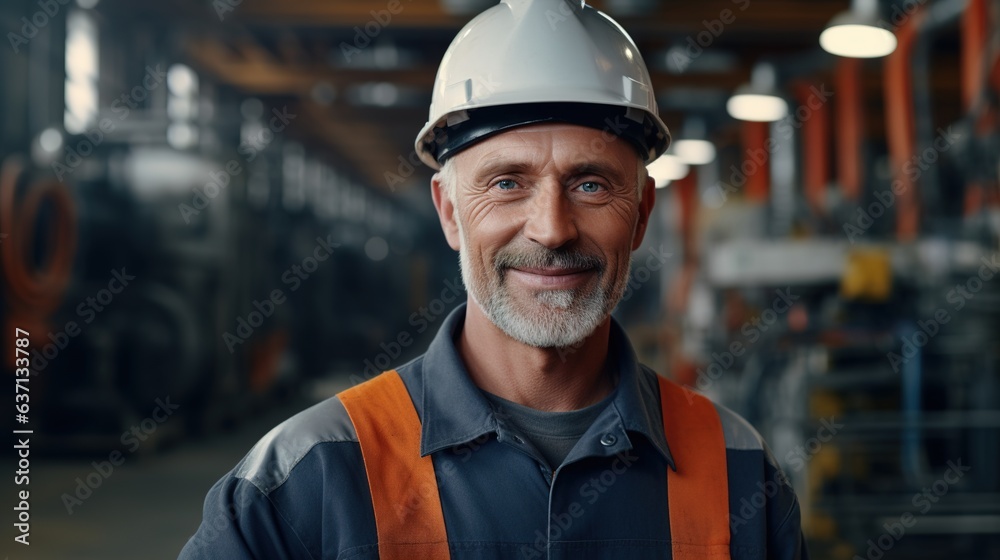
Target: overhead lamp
[695, 152]
[50, 140]
[693, 148]
[181, 80]
[759, 100]
[666, 168]
[857, 33]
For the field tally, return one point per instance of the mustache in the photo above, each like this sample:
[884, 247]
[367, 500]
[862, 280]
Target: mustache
[540, 257]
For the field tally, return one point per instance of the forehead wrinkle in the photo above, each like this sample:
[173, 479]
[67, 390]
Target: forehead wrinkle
[536, 148]
[497, 157]
[614, 172]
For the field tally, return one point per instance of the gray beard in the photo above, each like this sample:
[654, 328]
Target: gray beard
[561, 319]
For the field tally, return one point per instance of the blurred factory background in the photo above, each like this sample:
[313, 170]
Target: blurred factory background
[211, 215]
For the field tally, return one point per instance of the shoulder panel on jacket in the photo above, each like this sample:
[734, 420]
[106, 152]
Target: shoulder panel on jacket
[739, 433]
[272, 459]
[410, 368]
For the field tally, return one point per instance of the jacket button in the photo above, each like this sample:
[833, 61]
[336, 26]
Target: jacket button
[607, 440]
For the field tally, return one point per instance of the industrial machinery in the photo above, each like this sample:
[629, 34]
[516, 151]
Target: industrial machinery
[857, 328]
[183, 242]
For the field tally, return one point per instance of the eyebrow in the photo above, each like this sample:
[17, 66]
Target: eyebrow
[496, 166]
[612, 173]
[501, 165]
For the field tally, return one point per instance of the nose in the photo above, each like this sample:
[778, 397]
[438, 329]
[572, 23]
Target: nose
[551, 222]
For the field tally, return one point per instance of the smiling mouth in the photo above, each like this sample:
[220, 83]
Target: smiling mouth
[551, 277]
[552, 270]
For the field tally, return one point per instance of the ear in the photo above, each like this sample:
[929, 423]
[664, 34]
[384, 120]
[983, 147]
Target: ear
[446, 212]
[645, 209]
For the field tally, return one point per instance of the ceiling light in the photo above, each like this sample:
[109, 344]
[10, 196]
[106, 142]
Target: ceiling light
[667, 168]
[758, 100]
[181, 80]
[50, 140]
[695, 152]
[747, 106]
[693, 146]
[857, 33]
[181, 135]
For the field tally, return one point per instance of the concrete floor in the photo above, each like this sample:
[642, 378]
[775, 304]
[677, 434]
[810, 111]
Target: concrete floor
[146, 509]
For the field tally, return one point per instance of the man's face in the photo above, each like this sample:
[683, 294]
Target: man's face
[547, 217]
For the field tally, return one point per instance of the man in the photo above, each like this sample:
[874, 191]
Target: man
[527, 429]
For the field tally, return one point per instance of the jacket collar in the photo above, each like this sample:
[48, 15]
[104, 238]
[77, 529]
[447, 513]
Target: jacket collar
[455, 412]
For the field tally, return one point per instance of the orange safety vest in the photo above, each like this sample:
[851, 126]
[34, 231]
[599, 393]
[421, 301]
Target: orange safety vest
[388, 431]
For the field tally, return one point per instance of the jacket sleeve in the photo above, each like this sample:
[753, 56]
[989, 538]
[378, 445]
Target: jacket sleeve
[784, 525]
[239, 522]
[757, 485]
[786, 539]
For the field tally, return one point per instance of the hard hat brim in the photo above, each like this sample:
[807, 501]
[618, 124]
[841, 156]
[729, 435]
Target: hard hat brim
[647, 135]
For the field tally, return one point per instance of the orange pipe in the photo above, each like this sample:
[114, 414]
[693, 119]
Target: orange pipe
[816, 147]
[37, 291]
[992, 118]
[756, 161]
[974, 199]
[973, 36]
[995, 74]
[899, 122]
[850, 127]
[51, 280]
[265, 361]
[687, 194]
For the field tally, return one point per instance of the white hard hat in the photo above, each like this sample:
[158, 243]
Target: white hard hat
[529, 61]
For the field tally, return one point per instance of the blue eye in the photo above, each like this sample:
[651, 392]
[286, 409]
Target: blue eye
[590, 187]
[506, 184]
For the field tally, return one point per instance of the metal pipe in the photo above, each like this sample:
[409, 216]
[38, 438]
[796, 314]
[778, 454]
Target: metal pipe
[912, 388]
[974, 34]
[850, 128]
[899, 126]
[816, 149]
[756, 160]
[687, 194]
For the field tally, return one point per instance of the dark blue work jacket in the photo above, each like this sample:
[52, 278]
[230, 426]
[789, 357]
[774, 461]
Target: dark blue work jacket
[302, 491]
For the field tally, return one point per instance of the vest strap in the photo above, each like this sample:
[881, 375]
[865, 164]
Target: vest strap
[698, 492]
[408, 514]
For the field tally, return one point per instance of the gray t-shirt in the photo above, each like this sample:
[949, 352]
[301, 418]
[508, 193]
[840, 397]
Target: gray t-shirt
[553, 434]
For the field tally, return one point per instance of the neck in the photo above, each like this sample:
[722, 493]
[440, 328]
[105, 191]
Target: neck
[552, 379]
